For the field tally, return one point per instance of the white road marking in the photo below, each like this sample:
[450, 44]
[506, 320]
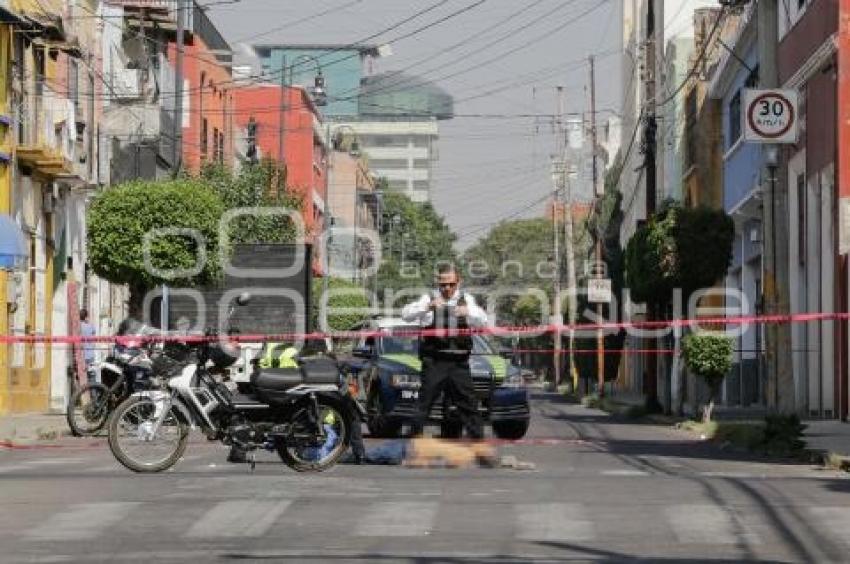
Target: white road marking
[398, 519]
[56, 461]
[624, 473]
[12, 468]
[82, 521]
[239, 518]
[740, 475]
[565, 522]
[706, 524]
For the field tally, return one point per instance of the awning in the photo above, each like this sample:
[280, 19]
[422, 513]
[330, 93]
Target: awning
[13, 246]
[7, 16]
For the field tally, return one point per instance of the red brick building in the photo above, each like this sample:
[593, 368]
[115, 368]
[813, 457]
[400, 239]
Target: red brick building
[208, 106]
[814, 59]
[302, 131]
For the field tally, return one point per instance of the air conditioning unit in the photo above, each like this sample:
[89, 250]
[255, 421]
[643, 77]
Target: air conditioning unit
[126, 84]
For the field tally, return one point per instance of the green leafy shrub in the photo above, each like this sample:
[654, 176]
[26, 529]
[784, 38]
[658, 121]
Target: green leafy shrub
[783, 435]
[120, 217]
[687, 248]
[709, 356]
[354, 297]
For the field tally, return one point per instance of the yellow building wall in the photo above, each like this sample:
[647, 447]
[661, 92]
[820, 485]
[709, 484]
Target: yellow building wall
[24, 388]
[5, 207]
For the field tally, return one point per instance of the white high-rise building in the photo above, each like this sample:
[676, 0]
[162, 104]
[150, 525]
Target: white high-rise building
[403, 151]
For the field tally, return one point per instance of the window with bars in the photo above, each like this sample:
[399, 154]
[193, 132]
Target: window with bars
[204, 141]
[215, 144]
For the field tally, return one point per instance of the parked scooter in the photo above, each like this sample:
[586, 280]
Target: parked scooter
[110, 382]
[299, 413]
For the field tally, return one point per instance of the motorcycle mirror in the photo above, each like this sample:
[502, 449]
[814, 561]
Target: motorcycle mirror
[244, 298]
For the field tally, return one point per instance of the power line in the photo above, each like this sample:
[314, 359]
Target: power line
[698, 62]
[471, 38]
[503, 55]
[267, 76]
[305, 19]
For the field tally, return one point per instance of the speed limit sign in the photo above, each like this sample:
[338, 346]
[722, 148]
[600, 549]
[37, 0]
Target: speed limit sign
[771, 116]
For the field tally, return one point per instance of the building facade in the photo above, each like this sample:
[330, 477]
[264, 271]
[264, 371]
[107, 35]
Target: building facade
[297, 132]
[403, 151]
[813, 60]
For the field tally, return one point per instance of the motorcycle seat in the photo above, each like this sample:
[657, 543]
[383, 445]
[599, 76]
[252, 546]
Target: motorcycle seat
[278, 379]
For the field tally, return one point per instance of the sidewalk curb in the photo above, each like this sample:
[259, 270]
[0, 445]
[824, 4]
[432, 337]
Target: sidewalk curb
[6, 444]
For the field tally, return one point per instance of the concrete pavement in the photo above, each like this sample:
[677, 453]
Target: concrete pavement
[829, 437]
[32, 427]
[603, 490]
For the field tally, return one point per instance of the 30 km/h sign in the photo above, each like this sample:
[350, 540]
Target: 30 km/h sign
[770, 116]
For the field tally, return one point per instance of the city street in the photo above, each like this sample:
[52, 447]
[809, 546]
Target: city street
[602, 490]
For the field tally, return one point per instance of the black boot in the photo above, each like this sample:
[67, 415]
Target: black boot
[237, 455]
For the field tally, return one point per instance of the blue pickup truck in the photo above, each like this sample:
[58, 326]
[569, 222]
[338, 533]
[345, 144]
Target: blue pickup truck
[388, 368]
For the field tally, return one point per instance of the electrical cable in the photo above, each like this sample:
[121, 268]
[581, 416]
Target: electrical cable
[501, 57]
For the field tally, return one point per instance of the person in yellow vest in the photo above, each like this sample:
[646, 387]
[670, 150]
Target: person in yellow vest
[279, 355]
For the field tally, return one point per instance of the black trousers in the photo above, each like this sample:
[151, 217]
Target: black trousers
[358, 448]
[451, 376]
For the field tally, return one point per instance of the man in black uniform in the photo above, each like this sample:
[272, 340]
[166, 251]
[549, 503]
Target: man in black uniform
[445, 359]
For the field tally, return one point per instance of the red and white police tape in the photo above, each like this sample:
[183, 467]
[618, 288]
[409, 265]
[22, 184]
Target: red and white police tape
[517, 331]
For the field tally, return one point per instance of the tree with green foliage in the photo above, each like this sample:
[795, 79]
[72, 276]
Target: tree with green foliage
[709, 356]
[605, 223]
[687, 248]
[341, 294]
[429, 242]
[508, 256]
[120, 218]
[256, 185]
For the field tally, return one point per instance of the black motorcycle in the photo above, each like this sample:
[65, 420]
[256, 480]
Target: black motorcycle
[300, 413]
[115, 378]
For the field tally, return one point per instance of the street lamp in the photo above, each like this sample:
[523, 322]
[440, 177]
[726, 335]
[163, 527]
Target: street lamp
[318, 92]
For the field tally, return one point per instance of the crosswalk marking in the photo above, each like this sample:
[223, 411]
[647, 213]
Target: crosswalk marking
[398, 519]
[239, 518]
[705, 524]
[82, 521]
[624, 472]
[553, 522]
[56, 461]
[836, 520]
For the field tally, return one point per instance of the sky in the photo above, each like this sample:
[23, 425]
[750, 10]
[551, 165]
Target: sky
[501, 60]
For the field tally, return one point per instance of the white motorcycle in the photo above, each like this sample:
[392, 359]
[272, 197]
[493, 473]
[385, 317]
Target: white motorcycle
[299, 413]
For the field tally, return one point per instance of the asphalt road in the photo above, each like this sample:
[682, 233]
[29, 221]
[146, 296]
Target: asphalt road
[603, 490]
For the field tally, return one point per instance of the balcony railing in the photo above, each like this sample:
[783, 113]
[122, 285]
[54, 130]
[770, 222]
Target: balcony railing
[46, 140]
[168, 6]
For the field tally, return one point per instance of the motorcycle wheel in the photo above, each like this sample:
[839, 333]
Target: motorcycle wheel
[318, 457]
[135, 446]
[88, 409]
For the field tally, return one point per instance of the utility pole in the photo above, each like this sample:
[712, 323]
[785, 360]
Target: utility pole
[176, 162]
[600, 337]
[282, 117]
[556, 306]
[572, 301]
[780, 378]
[178, 87]
[650, 145]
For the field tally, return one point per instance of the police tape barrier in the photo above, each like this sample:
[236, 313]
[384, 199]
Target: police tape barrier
[709, 323]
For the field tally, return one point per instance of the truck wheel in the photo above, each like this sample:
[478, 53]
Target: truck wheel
[378, 424]
[510, 430]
